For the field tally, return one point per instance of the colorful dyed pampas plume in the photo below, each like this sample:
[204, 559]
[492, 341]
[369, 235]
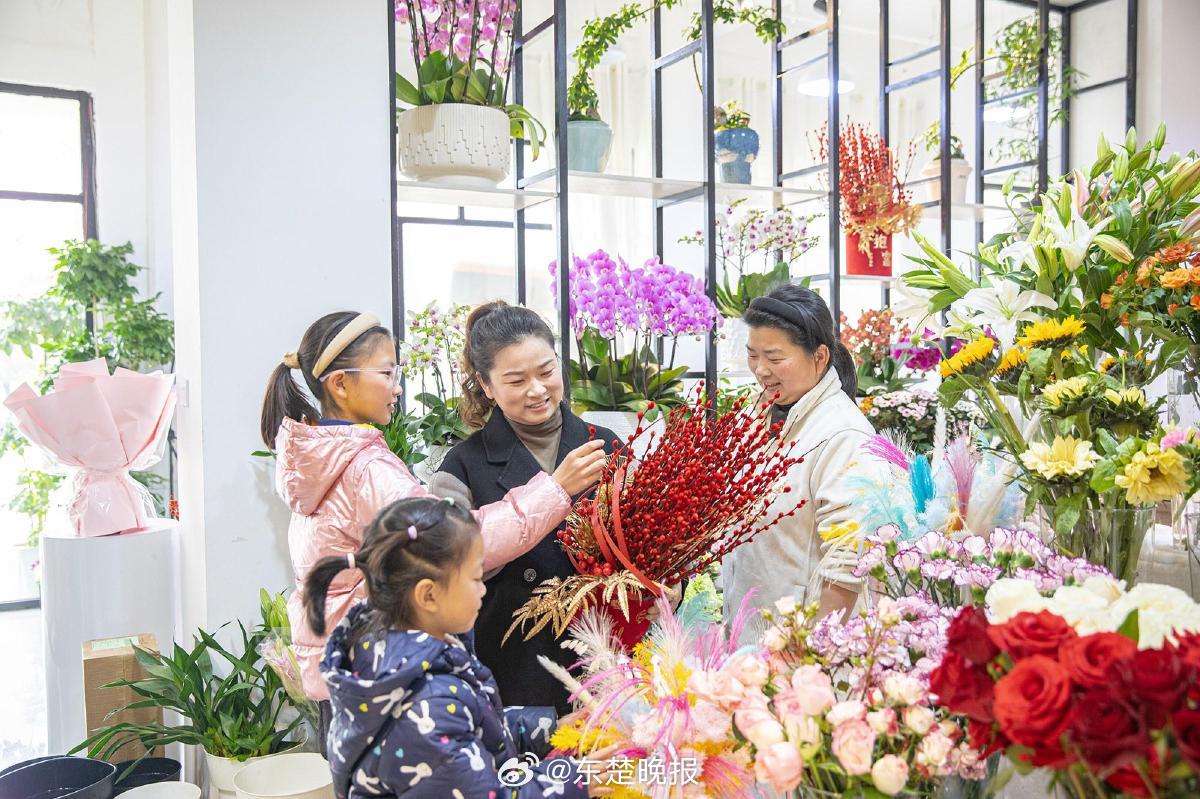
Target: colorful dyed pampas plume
[661, 517]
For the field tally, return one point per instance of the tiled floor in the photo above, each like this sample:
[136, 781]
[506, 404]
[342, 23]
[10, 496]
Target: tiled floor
[22, 684]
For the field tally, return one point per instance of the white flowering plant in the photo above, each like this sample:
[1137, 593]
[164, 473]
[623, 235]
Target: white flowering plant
[430, 357]
[756, 249]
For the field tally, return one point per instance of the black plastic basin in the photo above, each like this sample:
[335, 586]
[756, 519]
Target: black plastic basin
[146, 771]
[58, 778]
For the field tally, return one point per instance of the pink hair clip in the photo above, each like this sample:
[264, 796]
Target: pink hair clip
[412, 532]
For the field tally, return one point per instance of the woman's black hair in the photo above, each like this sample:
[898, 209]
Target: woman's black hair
[393, 562]
[804, 316]
[284, 397]
[490, 328]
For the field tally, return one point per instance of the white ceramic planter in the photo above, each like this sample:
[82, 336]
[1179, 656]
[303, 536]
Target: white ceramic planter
[28, 585]
[164, 790]
[623, 423]
[960, 170]
[454, 143]
[731, 348]
[222, 770]
[292, 776]
[426, 468]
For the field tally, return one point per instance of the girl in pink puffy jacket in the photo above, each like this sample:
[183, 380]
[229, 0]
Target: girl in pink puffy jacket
[336, 472]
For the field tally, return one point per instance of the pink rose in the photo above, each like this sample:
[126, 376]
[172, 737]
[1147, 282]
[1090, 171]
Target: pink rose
[933, 753]
[774, 639]
[853, 742]
[779, 765]
[884, 721]
[845, 711]
[717, 687]
[919, 719]
[890, 774]
[757, 723]
[810, 693]
[903, 689]
[750, 670]
[711, 722]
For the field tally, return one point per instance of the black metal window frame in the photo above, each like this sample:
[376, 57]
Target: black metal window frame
[86, 199]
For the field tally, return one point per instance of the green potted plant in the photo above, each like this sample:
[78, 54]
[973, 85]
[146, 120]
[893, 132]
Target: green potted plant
[93, 283]
[234, 703]
[460, 123]
[960, 168]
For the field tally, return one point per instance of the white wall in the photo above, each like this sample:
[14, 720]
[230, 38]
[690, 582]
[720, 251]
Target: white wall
[291, 219]
[99, 47]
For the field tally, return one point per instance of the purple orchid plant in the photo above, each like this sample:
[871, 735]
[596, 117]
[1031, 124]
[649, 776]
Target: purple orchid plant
[622, 318]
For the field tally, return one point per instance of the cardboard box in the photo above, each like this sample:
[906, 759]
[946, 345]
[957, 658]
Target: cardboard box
[110, 660]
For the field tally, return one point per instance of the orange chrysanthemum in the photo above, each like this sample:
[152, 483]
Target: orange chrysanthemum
[1172, 308]
[1195, 303]
[1106, 301]
[1175, 253]
[1121, 278]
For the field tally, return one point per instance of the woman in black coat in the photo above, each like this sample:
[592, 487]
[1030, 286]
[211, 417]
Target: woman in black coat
[513, 373]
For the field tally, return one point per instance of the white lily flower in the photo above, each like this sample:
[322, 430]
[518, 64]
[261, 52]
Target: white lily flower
[1003, 307]
[1019, 253]
[1074, 239]
[912, 305]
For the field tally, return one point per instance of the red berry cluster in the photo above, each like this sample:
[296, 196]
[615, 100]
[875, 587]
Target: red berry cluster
[700, 493]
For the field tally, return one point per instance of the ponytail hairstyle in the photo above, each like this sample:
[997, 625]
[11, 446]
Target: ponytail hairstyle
[410, 540]
[490, 328]
[284, 398]
[804, 316]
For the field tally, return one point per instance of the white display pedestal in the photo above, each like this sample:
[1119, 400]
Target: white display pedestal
[102, 588]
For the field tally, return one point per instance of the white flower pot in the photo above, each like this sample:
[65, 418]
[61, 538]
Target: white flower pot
[27, 582]
[164, 790]
[960, 170]
[454, 143]
[623, 423]
[222, 770]
[731, 347]
[302, 775]
[425, 470]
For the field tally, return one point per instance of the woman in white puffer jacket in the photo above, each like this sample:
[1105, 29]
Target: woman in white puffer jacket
[794, 352]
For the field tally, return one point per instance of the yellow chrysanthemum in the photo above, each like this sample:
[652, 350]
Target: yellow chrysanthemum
[1153, 475]
[972, 353]
[841, 533]
[866, 403]
[1126, 396]
[1107, 364]
[572, 739]
[1061, 392]
[1064, 457]
[1012, 359]
[1051, 332]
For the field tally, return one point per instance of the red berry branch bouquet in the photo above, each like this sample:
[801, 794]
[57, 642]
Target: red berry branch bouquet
[662, 516]
[875, 202]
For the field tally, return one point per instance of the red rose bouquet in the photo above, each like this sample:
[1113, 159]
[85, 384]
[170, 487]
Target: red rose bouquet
[660, 517]
[1106, 717]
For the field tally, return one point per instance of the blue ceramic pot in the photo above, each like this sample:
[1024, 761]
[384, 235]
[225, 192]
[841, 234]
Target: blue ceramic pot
[589, 142]
[736, 149]
[59, 778]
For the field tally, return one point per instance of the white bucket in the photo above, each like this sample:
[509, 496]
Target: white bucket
[303, 775]
[164, 790]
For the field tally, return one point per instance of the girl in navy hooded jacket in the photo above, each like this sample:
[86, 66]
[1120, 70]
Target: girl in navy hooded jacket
[415, 714]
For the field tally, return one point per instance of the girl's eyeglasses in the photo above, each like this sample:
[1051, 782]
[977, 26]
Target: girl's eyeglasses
[395, 371]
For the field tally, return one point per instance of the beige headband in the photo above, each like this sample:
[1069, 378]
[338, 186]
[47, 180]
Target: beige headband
[358, 325]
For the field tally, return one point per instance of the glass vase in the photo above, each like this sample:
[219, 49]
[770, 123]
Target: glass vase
[1109, 537]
